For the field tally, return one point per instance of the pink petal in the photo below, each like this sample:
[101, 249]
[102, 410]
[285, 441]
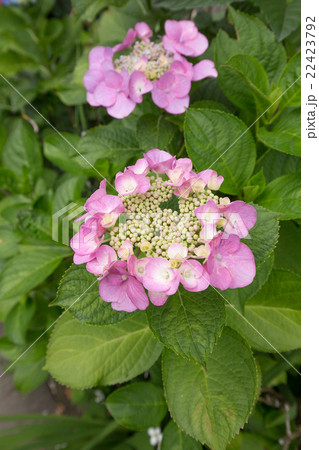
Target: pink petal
[105, 95]
[169, 44]
[240, 218]
[143, 31]
[92, 78]
[204, 69]
[182, 86]
[241, 266]
[157, 298]
[79, 259]
[125, 183]
[159, 97]
[113, 79]
[91, 99]
[159, 161]
[128, 40]
[99, 54]
[189, 30]
[177, 105]
[173, 29]
[137, 293]
[140, 167]
[182, 67]
[198, 45]
[122, 107]
[139, 85]
[111, 292]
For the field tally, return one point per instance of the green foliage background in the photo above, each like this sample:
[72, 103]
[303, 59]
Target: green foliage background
[213, 369]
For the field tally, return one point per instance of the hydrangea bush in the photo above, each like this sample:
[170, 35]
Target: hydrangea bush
[150, 248]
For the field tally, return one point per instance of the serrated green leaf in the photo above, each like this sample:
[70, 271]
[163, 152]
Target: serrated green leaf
[220, 141]
[212, 404]
[26, 270]
[283, 16]
[245, 83]
[102, 355]
[137, 406]
[263, 236]
[108, 142]
[290, 80]
[189, 322]
[253, 38]
[154, 132]
[283, 196]
[79, 291]
[175, 439]
[285, 135]
[274, 312]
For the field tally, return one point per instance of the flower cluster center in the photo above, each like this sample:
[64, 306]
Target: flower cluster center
[152, 225]
[148, 57]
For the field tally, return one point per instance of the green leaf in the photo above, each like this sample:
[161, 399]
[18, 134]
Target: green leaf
[253, 38]
[22, 151]
[285, 135]
[68, 190]
[154, 132]
[263, 237]
[283, 196]
[25, 271]
[72, 95]
[274, 312]
[255, 186]
[8, 243]
[108, 142]
[221, 141]
[212, 404]
[175, 439]
[29, 373]
[189, 322]
[80, 288]
[283, 16]
[102, 355]
[88, 9]
[63, 152]
[190, 4]
[9, 180]
[290, 80]
[245, 83]
[288, 249]
[137, 406]
[18, 320]
[275, 164]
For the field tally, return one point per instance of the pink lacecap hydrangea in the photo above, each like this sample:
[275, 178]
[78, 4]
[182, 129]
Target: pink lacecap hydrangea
[142, 249]
[118, 82]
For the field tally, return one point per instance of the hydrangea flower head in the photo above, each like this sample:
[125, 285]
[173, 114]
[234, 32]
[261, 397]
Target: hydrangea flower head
[118, 82]
[155, 235]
